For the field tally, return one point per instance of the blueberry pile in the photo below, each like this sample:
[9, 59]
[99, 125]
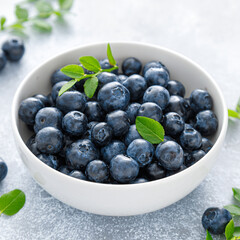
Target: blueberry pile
[12, 50]
[96, 139]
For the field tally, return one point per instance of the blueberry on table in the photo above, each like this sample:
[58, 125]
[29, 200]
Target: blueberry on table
[49, 140]
[142, 151]
[94, 111]
[206, 145]
[157, 76]
[151, 110]
[51, 160]
[113, 149]
[173, 123]
[200, 100]
[48, 117]
[80, 153]
[59, 76]
[154, 171]
[131, 66]
[113, 96]
[70, 101]
[190, 138]
[74, 123]
[119, 122]
[206, 122]
[101, 134]
[131, 135]
[3, 60]
[124, 169]
[44, 99]
[97, 171]
[215, 220]
[136, 84]
[122, 78]
[3, 169]
[32, 145]
[28, 110]
[194, 157]
[77, 174]
[175, 87]
[104, 63]
[14, 49]
[172, 172]
[169, 155]
[158, 95]
[132, 111]
[139, 180]
[106, 77]
[154, 64]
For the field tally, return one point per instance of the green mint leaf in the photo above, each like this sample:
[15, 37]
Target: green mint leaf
[12, 202]
[44, 8]
[208, 237]
[229, 230]
[42, 25]
[67, 86]
[90, 86]
[236, 232]
[233, 209]
[57, 13]
[2, 22]
[73, 71]
[21, 13]
[233, 114]
[236, 193]
[17, 26]
[90, 63]
[150, 129]
[238, 106]
[65, 4]
[110, 69]
[111, 59]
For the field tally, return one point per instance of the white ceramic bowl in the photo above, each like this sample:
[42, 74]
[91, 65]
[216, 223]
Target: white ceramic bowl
[127, 199]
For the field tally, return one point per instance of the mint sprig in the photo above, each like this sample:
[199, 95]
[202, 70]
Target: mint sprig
[229, 230]
[235, 113]
[208, 237]
[77, 73]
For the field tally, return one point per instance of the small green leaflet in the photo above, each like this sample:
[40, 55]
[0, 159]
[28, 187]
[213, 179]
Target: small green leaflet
[73, 71]
[90, 63]
[65, 4]
[233, 209]
[42, 25]
[111, 59]
[150, 129]
[208, 237]
[229, 230]
[236, 193]
[233, 114]
[12, 202]
[90, 86]
[67, 86]
[44, 8]
[2, 22]
[21, 13]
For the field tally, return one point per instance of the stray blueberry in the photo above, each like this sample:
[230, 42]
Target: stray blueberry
[14, 49]
[3, 60]
[131, 66]
[3, 169]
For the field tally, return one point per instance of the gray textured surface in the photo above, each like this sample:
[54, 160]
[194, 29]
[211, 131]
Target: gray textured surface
[207, 32]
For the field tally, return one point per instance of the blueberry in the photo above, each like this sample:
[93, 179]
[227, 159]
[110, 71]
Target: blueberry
[113, 149]
[157, 76]
[3, 60]
[94, 111]
[132, 111]
[51, 160]
[74, 123]
[200, 100]
[97, 171]
[123, 169]
[66, 142]
[28, 110]
[173, 123]
[158, 95]
[172, 172]
[119, 122]
[50, 100]
[59, 76]
[194, 157]
[154, 171]
[206, 145]
[131, 135]
[206, 122]
[3, 169]
[215, 220]
[170, 155]
[113, 96]
[136, 85]
[77, 174]
[142, 151]
[175, 87]
[179, 105]
[190, 138]
[122, 78]
[151, 110]
[80, 153]
[70, 101]
[87, 134]
[48, 117]
[49, 140]
[139, 180]
[32, 145]
[131, 66]
[154, 64]
[106, 77]
[106, 65]
[44, 99]
[101, 134]
[14, 49]
[64, 169]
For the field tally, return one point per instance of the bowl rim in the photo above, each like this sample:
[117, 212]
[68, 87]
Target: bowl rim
[172, 178]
